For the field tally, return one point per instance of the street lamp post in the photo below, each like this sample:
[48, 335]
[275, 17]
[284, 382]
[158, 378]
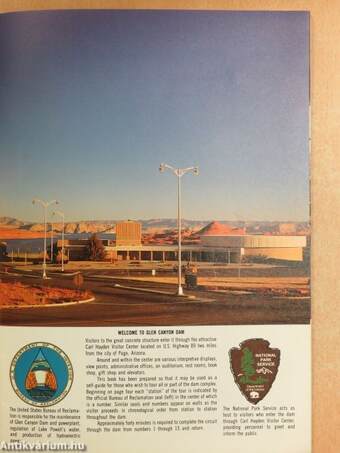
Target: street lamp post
[45, 205]
[179, 172]
[62, 215]
[51, 259]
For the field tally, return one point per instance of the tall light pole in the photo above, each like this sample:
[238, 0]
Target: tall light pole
[62, 215]
[45, 205]
[51, 259]
[179, 172]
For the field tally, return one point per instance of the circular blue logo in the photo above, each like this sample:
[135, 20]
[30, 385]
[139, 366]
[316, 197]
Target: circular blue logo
[41, 374]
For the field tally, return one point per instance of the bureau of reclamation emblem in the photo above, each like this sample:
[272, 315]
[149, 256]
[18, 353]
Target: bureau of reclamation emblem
[254, 366]
[41, 374]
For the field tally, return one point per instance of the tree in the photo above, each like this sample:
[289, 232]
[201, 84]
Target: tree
[3, 251]
[95, 249]
[247, 366]
[247, 363]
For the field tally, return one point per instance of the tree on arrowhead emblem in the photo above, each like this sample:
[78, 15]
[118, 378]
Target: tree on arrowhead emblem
[247, 366]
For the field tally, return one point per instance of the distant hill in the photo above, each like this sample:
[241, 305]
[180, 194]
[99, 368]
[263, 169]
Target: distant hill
[151, 226]
[10, 222]
[217, 228]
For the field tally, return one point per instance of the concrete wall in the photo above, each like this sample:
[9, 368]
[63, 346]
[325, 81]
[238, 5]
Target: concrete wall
[254, 241]
[128, 233]
[286, 253]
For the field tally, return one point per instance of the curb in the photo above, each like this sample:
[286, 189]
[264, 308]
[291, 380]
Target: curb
[12, 274]
[63, 304]
[153, 291]
[64, 274]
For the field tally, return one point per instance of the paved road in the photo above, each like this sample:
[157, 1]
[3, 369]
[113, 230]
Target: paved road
[117, 306]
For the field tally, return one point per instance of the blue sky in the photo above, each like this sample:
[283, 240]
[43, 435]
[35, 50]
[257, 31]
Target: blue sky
[91, 102]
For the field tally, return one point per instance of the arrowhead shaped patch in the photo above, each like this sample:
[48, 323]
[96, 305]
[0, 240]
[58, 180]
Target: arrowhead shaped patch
[254, 366]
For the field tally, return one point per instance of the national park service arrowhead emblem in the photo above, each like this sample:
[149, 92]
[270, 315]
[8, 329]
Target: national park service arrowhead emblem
[254, 366]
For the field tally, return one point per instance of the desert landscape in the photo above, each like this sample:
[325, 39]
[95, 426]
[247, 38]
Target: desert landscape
[19, 295]
[153, 229]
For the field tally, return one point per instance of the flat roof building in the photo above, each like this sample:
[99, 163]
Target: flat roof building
[216, 244]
